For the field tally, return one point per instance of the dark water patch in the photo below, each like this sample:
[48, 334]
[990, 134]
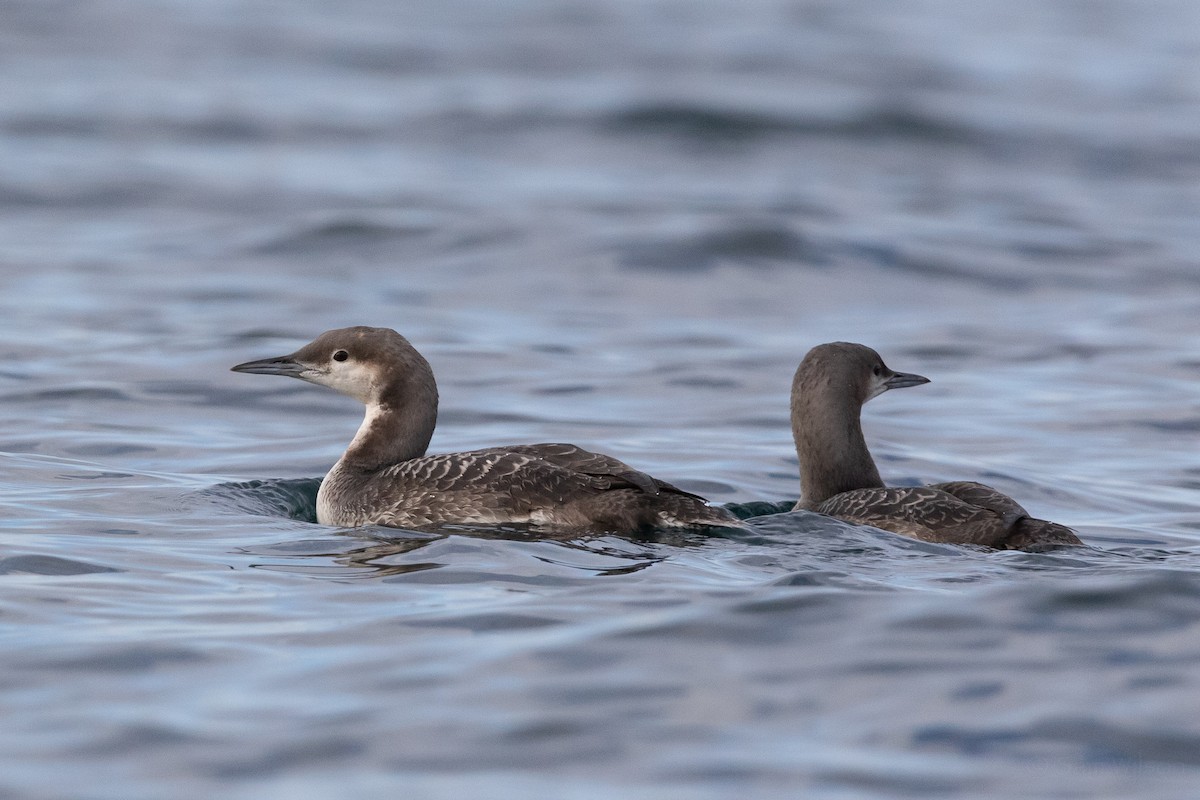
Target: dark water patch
[1049, 251]
[1053, 558]
[626, 570]
[487, 623]
[90, 394]
[140, 737]
[294, 399]
[212, 128]
[741, 245]
[322, 750]
[1167, 161]
[968, 741]
[566, 389]
[482, 416]
[892, 258]
[554, 349]
[1161, 600]
[104, 195]
[303, 548]
[197, 393]
[943, 352]
[1162, 681]
[707, 341]
[1095, 741]
[1190, 478]
[136, 658]
[759, 508]
[823, 578]
[715, 125]
[49, 565]
[228, 295]
[256, 335]
[391, 60]
[447, 575]
[17, 446]
[760, 623]
[106, 449]
[98, 475]
[911, 781]
[978, 690]
[292, 498]
[339, 572]
[340, 235]
[698, 123]
[706, 487]
[1182, 425]
[1110, 743]
[944, 621]
[48, 125]
[408, 297]
[606, 693]
[510, 748]
[704, 382]
[1079, 351]
[806, 600]
[196, 128]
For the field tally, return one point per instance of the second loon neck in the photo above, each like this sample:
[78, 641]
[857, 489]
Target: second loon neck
[832, 450]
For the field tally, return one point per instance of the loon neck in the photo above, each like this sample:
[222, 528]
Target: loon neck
[830, 445]
[390, 435]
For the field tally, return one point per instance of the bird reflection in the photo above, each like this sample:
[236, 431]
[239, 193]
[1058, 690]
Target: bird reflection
[391, 552]
[375, 556]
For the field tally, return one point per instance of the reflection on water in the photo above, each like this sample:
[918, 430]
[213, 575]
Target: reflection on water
[395, 555]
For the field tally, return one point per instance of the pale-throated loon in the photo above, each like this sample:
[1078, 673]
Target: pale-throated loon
[838, 477]
[385, 478]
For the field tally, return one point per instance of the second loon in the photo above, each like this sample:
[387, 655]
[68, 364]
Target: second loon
[838, 477]
[385, 478]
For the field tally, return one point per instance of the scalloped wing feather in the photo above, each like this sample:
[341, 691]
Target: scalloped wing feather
[922, 512]
[572, 488]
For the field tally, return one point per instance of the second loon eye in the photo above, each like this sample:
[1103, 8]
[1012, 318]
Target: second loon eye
[877, 369]
[340, 355]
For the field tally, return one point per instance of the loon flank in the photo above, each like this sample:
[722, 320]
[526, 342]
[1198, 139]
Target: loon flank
[838, 477]
[385, 478]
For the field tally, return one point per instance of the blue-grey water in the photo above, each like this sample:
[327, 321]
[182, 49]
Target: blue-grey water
[619, 224]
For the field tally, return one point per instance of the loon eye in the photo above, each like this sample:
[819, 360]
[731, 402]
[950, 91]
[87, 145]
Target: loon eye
[340, 355]
[878, 370]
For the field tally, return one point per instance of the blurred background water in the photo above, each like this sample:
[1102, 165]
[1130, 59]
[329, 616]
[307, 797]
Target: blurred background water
[619, 224]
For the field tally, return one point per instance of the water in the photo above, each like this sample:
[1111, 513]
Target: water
[621, 225]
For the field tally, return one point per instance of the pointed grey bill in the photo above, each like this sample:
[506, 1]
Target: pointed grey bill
[902, 380]
[283, 365]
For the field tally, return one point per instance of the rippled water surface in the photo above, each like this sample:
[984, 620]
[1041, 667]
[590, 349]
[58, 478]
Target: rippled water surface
[619, 224]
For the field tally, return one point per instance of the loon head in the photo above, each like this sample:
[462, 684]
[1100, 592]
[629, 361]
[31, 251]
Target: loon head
[368, 364]
[851, 372]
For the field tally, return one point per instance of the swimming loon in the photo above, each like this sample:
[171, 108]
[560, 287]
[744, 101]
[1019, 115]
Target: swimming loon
[385, 478]
[838, 476]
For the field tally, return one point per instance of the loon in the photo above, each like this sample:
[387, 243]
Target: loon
[385, 478]
[838, 476]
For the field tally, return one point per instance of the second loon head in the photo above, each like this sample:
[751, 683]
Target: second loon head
[362, 362]
[851, 370]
